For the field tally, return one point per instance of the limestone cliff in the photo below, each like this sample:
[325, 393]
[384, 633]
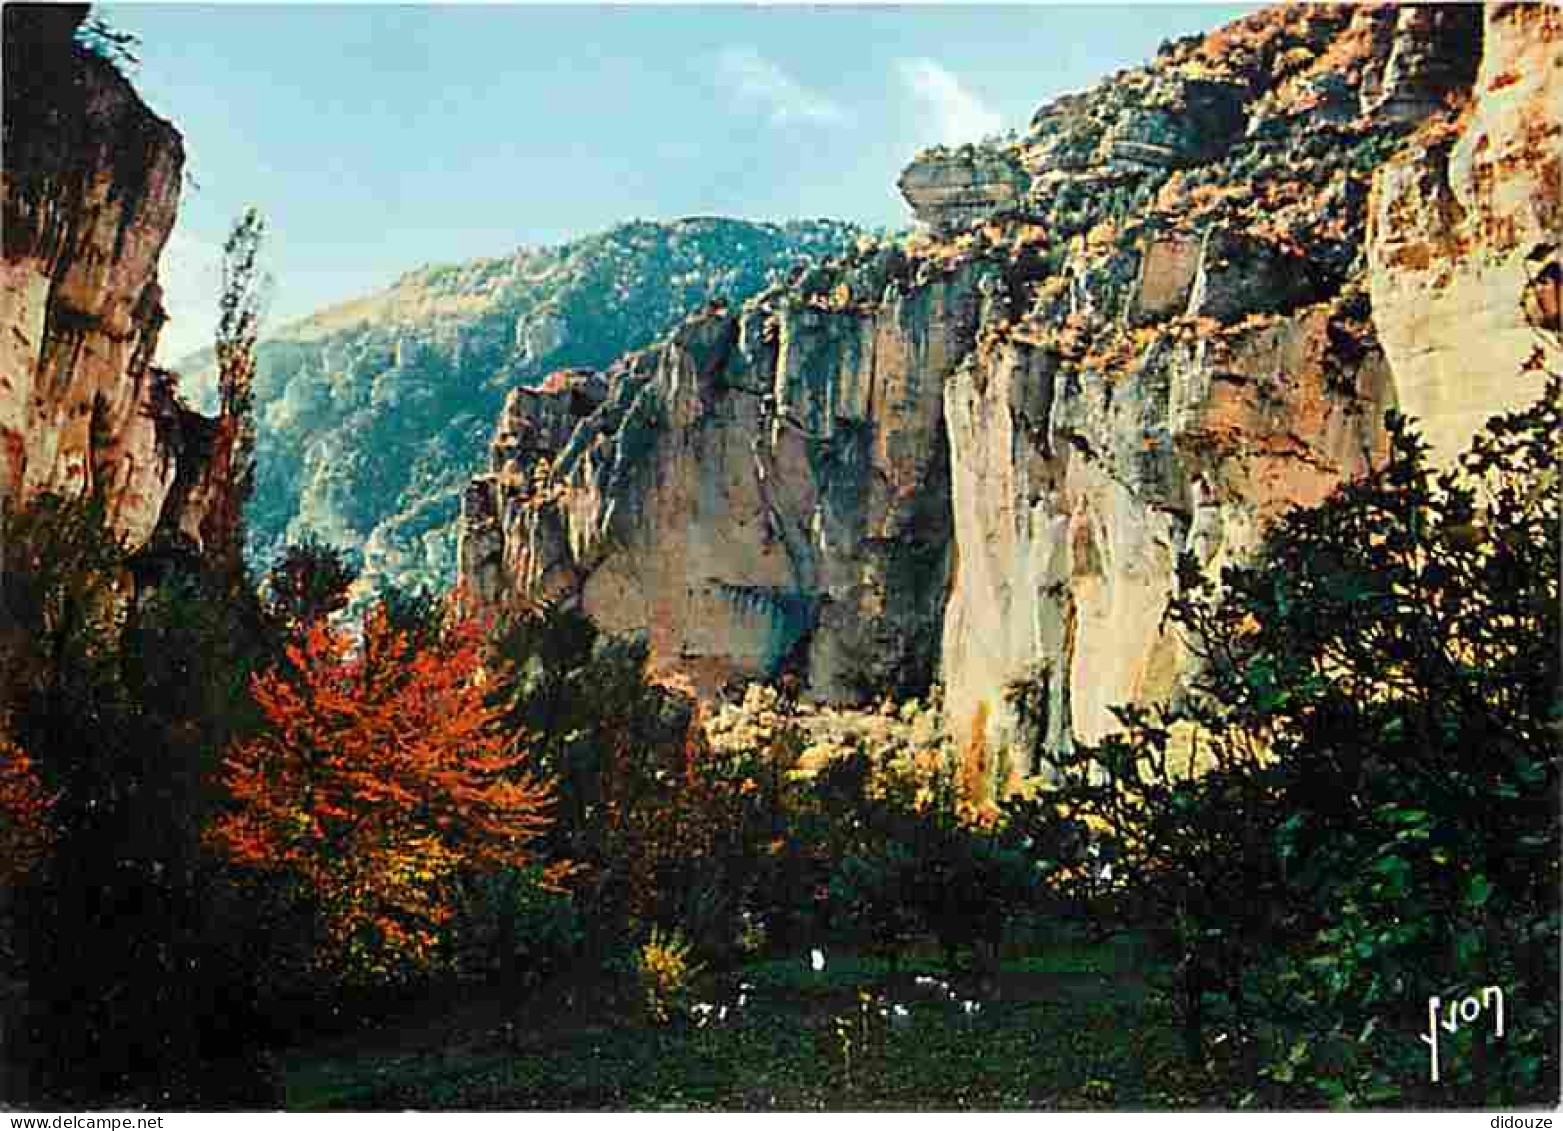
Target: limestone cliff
[1455, 223]
[766, 489]
[373, 414]
[91, 185]
[975, 457]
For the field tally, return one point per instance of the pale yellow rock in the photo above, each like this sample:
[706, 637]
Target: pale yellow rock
[1451, 228]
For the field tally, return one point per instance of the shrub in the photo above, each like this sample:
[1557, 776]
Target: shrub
[752, 934]
[872, 890]
[517, 924]
[907, 856]
[25, 829]
[973, 880]
[666, 975]
[667, 827]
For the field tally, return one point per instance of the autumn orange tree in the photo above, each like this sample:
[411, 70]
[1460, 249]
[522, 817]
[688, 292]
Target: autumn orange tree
[382, 783]
[25, 829]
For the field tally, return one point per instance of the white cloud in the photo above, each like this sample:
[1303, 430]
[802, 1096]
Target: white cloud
[756, 80]
[958, 114]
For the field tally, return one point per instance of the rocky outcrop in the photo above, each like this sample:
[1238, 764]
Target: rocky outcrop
[1145, 120]
[534, 426]
[978, 455]
[1430, 60]
[951, 189]
[1238, 275]
[1075, 490]
[1173, 122]
[91, 186]
[1461, 222]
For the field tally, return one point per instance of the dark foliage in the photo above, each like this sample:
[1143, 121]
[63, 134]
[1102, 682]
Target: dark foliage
[309, 582]
[903, 866]
[614, 746]
[241, 305]
[122, 698]
[116, 47]
[420, 613]
[1355, 808]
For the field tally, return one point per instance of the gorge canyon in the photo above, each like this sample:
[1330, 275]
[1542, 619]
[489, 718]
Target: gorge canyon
[1171, 307]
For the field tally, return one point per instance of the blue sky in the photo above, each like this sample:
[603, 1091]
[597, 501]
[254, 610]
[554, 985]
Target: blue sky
[378, 138]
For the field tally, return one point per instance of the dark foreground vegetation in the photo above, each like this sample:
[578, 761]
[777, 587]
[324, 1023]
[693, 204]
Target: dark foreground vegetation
[255, 858]
[1069, 1027]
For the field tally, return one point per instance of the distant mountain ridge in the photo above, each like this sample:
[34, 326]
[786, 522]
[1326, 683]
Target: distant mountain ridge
[374, 413]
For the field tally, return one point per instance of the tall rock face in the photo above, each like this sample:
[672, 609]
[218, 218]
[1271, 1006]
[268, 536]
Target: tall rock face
[1456, 221]
[766, 490]
[91, 185]
[372, 415]
[977, 456]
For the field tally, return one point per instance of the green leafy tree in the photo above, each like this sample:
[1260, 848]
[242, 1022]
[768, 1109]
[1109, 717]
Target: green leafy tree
[614, 745]
[241, 305]
[1356, 806]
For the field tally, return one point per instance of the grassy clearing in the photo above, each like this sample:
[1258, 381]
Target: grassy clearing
[1063, 1028]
